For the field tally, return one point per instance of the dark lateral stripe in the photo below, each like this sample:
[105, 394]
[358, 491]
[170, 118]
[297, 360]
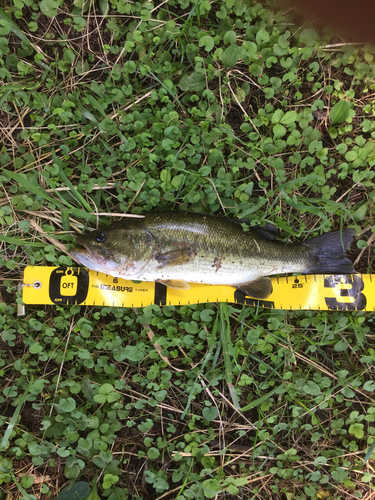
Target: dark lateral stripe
[160, 297]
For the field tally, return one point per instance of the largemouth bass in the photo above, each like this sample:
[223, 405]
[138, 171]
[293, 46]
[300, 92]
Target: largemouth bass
[176, 248]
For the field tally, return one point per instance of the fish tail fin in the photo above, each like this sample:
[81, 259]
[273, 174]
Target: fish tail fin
[328, 253]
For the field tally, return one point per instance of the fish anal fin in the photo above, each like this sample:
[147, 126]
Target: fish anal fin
[176, 284]
[260, 288]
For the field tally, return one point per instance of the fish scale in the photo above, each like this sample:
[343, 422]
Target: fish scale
[176, 248]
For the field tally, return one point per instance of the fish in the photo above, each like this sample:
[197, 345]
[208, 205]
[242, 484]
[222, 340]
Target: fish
[177, 248]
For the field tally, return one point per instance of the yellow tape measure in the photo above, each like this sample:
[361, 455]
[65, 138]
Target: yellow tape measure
[78, 285]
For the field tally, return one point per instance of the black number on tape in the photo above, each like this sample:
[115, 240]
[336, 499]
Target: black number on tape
[356, 287]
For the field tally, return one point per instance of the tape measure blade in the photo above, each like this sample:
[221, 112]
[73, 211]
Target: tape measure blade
[70, 285]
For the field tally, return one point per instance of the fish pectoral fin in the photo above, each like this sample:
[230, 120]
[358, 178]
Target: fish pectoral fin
[175, 257]
[176, 284]
[260, 288]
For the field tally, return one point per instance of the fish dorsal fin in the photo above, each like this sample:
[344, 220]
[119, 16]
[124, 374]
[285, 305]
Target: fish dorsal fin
[260, 288]
[176, 284]
[267, 232]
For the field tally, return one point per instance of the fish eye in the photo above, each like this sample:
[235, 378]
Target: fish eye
[100, 237]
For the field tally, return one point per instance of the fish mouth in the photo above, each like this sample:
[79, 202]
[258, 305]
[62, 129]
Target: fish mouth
[87, 253]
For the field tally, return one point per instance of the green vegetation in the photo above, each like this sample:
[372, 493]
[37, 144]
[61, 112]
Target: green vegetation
[225, 107]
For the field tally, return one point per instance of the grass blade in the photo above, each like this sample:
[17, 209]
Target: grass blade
[23, 181]
[263, 398]
[227, 344]
[12, 240]
[368, 454]
[26, 496]
[206, 359]
[13, 26]
[65, 219]
[96, 104]
[12, 423]
[67, 182]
